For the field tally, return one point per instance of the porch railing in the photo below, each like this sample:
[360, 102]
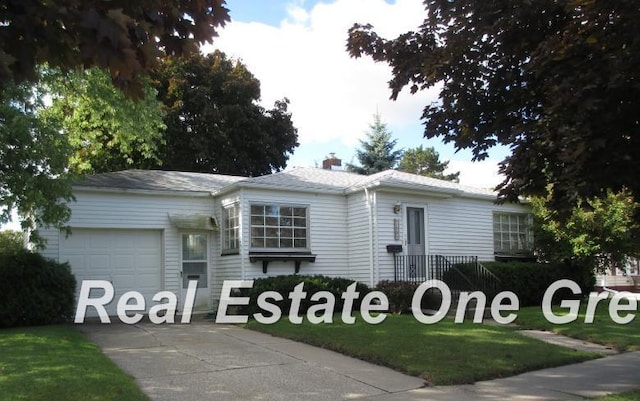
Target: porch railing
[460, 273]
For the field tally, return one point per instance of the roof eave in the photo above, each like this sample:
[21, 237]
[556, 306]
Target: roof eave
[137, 191]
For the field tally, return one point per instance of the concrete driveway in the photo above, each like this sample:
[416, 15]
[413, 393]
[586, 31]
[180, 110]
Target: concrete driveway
[206, 361]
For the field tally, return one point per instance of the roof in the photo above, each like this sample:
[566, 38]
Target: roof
[158, 180]
[305, 179]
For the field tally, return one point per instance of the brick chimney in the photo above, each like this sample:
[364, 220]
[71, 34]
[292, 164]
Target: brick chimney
[332, 162]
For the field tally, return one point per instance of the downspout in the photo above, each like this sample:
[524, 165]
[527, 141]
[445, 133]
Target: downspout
[370, 210]
[244, 239]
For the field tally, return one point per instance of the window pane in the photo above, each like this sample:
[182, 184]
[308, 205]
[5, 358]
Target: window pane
[257, 232]
[300, 243]
[286, 233]
[258, 220]
[257, 210]
[257, 242]
[299, 222]
[272, 243]
[194, 247]
[300, 233]
[286, 221]
[271, 221]
[286, 211]
[286, 243]
[300, 212]
[271, 210]
[194, 271]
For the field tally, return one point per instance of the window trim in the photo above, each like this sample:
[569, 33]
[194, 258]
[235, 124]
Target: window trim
[293, 249]
[182, 234]
[238, 228]
[528, 232]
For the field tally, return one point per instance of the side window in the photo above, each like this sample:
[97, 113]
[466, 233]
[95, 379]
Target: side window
[194, 259]
[231, 228]
[512, 233]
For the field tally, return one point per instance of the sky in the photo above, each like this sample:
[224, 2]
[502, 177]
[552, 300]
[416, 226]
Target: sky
[297, 49]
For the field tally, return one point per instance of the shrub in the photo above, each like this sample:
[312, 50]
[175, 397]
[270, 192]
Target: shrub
[399, 293]
[34, 290]
[10, 241]
[312, 284]
[529, 280]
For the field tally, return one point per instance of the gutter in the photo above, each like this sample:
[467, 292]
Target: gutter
[157, 192]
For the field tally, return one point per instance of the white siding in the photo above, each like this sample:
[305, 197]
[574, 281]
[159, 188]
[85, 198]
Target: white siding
[454, 226]
[358, 237]
[138, 211]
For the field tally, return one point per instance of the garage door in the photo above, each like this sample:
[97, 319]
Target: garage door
[130, 259]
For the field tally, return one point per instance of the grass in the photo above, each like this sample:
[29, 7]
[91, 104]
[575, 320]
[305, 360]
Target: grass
[444, 353]
[633, 395]
[58, 363]
[624, 337]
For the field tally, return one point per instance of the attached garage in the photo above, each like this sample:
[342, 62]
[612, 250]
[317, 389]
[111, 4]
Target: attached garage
[130, 259]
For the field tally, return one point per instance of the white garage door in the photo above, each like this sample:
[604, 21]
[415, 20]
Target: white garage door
[130, 259]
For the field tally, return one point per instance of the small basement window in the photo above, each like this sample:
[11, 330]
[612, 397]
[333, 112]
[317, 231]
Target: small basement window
[194, 259]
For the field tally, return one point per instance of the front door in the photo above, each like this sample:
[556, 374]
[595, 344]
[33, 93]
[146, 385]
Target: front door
[416, 258]
[195, 267]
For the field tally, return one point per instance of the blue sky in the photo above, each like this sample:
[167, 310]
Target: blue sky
[297, 50]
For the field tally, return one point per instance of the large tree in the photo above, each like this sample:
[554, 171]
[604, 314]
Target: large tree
[106, 131]
[34, 180]
[426, 162]
[214, 122]
[557, 81]
[123, 36]
[377, 151]
[600, 233]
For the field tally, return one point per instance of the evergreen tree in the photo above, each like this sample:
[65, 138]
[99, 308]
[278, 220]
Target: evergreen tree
[426, 162]
[377, 151]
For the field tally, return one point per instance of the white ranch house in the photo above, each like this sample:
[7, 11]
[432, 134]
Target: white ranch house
[150, 231]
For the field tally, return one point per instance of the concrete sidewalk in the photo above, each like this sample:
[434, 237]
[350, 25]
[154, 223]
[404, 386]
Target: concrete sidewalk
[204, 361]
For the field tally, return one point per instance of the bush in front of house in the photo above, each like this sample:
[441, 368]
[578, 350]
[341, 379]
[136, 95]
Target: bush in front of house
[530, 280]
[399, 294]
[312, 284]
[34, 290]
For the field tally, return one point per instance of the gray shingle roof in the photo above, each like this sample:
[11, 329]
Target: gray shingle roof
[158, 180]
[299, 179]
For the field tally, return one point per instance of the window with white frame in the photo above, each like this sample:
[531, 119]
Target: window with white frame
[194, 259]
[512, 233]
[231, 229]
[279, 227]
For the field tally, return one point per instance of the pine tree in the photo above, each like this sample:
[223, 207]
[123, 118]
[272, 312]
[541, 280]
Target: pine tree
[426, 162]
[377, 151]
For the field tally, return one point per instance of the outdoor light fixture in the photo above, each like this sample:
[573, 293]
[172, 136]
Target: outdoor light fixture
[397, 208]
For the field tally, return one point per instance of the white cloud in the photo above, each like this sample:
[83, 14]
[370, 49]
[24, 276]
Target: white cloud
[482, 174]
[304, 59]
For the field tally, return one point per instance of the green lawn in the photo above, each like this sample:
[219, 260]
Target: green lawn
[58, 363]
[444, 353]
[602, 331]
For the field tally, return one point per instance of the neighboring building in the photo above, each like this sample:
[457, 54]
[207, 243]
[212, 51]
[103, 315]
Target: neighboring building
[154, 230]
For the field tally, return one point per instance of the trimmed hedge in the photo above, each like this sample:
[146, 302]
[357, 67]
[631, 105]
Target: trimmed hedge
[529, 280]
[399, 293]
[34, 290]
[312, 284]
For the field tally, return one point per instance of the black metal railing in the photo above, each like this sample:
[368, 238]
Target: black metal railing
[460, 273]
